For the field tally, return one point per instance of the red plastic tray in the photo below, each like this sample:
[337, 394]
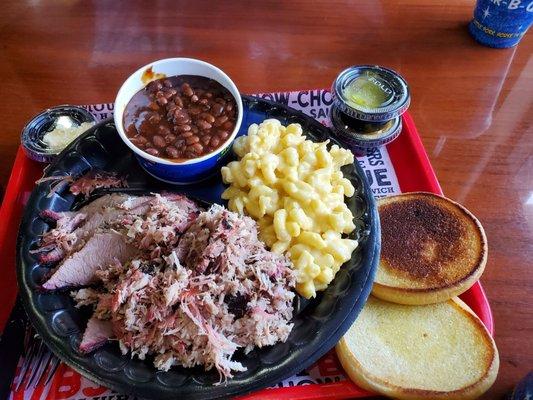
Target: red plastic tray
[414, 173]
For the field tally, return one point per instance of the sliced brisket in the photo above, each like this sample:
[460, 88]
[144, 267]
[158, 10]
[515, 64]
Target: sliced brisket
[79, 269]
[96, 334]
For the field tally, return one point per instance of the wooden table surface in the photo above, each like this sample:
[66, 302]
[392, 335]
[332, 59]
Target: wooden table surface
[470, 103]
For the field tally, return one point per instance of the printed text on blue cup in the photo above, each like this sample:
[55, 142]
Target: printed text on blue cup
[501, 23]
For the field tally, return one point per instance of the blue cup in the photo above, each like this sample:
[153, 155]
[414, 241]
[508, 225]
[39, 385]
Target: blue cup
[501, 23]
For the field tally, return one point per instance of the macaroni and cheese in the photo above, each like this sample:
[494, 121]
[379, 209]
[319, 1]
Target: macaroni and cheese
[295, 190]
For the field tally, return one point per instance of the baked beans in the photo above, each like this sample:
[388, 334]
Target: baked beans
[180, 117]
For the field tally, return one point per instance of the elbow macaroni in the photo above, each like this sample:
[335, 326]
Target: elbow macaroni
[295, 190]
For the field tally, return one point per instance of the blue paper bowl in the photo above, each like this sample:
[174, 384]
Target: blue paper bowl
[189, 171]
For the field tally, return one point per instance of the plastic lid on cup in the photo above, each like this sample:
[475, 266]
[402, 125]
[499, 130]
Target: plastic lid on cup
[371, 93]
[352, 138]
[33, 133]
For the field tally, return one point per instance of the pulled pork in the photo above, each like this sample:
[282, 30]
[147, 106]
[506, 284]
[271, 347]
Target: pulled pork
[202, 287]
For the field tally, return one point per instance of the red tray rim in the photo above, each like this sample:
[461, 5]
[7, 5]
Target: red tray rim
[404, 163]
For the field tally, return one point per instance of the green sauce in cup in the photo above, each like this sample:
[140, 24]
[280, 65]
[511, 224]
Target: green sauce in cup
[368, 91]
[367, 107]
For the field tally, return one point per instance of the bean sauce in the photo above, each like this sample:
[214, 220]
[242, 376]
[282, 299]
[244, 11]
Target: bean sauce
[180, 117]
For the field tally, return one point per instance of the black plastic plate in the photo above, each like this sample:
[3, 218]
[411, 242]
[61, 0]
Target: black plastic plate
[318, 324]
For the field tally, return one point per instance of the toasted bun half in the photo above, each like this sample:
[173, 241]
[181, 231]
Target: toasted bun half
[432, 249]
[435, 351]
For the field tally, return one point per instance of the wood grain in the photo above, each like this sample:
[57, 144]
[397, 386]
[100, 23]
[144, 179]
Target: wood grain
[472, 104]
